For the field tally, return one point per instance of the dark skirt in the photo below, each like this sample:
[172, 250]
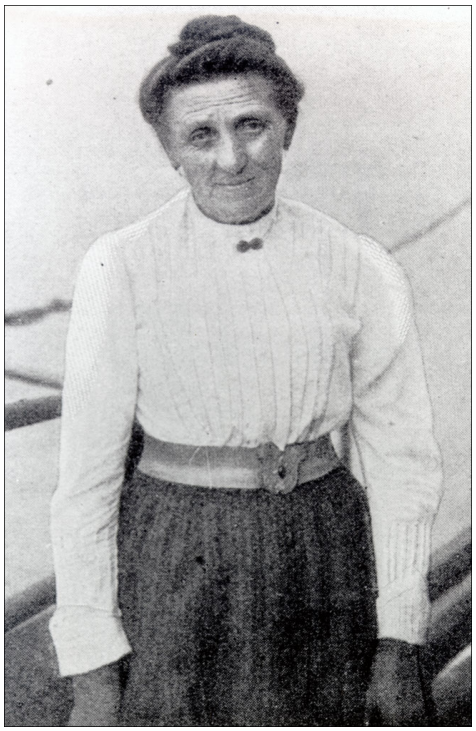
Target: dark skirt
[245, 608]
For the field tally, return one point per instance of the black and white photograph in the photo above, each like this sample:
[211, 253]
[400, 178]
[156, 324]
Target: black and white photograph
[237, 360]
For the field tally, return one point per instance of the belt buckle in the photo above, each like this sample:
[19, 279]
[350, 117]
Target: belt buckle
[279, 468]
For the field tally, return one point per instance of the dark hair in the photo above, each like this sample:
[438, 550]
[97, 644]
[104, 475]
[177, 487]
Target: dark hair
[212, 46]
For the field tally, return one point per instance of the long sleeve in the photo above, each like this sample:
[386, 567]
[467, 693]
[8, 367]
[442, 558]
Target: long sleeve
[99, 399]
[392, 440]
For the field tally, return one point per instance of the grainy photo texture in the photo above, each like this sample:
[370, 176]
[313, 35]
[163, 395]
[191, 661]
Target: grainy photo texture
[237, 360]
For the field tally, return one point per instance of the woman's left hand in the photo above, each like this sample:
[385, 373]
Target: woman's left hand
[395, 696]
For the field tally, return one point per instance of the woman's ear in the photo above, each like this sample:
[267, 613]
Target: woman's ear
[163, 136]
[288, 135]
[175, 163]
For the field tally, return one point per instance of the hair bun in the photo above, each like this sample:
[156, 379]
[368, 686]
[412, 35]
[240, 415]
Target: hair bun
[209, 28]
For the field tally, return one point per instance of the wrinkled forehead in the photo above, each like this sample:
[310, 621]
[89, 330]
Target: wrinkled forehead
[229, 96]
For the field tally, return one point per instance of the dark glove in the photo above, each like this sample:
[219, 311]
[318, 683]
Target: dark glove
[395, 696]
[97, 696]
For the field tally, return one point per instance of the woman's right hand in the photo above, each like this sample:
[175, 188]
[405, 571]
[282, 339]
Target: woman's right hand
[97, 697]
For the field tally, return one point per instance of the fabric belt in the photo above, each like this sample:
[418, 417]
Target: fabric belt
[266, 466]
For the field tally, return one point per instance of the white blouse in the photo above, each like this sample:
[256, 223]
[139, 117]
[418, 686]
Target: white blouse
[206, 345]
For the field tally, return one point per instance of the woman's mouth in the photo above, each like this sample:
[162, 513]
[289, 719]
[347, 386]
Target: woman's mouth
[234, 183]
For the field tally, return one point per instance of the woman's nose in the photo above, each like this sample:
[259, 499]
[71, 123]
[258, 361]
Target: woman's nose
[231, 156]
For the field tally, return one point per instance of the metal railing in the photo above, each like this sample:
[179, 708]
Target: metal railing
[32, 411]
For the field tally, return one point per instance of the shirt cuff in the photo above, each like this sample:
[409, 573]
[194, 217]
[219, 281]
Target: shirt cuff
[402, 553]
[403, 611]
[86, 639]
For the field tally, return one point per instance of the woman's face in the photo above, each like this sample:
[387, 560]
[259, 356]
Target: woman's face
[227, 135]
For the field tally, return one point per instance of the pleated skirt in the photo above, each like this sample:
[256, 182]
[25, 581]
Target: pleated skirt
[245, 608]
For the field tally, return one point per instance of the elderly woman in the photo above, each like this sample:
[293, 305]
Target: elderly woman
[235, 571]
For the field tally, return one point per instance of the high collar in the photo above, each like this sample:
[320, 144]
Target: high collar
[227, 232]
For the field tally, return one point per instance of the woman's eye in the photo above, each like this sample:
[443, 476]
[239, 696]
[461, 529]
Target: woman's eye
[252, 126]
[201, 136]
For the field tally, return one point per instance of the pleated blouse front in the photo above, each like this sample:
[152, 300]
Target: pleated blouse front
[238, 348]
